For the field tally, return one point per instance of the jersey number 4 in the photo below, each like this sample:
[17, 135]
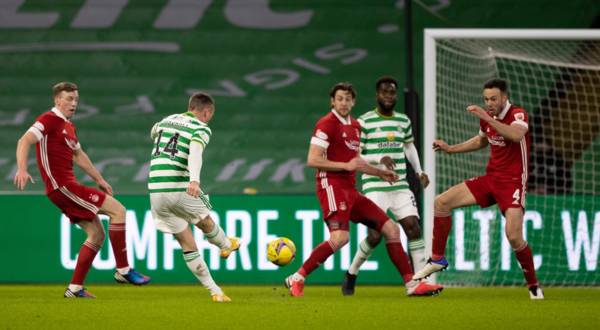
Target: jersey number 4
[171, 146]
[516, 196]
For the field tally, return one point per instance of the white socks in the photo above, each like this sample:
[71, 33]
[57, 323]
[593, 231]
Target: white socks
[199, 268]
[217, 237]
[416, 248]
[362, 254]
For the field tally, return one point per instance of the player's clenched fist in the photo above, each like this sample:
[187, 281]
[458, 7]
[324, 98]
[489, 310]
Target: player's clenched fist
[441, 145]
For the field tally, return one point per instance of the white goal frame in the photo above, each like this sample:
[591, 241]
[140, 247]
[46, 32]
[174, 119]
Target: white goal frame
[430, 36]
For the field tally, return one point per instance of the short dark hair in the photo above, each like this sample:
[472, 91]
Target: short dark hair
[343, 86]
[385, 80]
[63, 86]
[501, 84]
[199, 100]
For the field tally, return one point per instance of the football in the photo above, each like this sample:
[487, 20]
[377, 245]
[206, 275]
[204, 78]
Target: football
[281, 251]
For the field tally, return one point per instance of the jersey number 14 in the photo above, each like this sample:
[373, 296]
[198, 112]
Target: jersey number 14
[171, 146]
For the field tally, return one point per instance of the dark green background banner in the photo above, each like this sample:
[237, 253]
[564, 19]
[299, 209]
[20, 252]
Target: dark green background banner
[269, 64]
[38, 246]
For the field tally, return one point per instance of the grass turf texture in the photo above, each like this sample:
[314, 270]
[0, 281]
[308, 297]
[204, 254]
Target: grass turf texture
[263, 307]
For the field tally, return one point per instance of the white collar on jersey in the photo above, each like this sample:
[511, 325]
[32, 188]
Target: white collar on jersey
[58, 113]
[345, 121]
[505, 110]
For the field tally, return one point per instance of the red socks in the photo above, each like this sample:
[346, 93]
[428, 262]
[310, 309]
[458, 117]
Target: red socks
[87, 253]
[116, 232]
[400, 259]
[317, 257]
[442, 223]
[526, 260]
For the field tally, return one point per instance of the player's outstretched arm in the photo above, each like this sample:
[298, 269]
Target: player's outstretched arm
[316, 159]
[83, 161]
[361, 165]
[23, 146]
[475, 143]
[513, 133]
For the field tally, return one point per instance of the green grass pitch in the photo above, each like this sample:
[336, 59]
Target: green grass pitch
[265, 307]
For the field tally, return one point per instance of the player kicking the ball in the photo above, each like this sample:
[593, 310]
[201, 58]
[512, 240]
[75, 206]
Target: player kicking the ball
[175, 195]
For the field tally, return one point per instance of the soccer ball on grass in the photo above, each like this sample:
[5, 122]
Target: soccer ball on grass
[281, 251]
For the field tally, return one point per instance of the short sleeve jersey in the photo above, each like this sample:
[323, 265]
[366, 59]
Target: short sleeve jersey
[508, 160]
[341, 139]
[385, 136]
[57, 138]
[169, 159]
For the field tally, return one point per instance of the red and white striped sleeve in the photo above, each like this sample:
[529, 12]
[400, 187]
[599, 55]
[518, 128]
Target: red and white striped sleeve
[43, 125]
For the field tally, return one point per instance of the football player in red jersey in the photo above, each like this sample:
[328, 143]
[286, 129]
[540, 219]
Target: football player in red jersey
[57, 147]
[505, 128]
[335, 153]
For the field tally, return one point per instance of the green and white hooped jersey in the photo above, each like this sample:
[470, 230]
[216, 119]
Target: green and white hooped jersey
[384, 136]
[169, 163]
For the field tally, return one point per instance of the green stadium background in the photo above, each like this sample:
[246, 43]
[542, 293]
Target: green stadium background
[269, 65]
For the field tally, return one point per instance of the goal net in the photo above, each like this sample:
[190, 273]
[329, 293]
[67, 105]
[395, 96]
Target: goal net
[555, 76]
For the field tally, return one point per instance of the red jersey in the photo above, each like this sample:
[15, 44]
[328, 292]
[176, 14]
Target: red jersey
[341, 138]
[508, 160]
[56, 141]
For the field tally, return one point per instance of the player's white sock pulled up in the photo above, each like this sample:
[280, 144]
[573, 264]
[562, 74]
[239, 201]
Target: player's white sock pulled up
[416, 248]
[199, 268]
[217, 237]
[362, 254]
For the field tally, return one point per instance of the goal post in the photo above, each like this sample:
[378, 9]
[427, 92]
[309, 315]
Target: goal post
[555, 76]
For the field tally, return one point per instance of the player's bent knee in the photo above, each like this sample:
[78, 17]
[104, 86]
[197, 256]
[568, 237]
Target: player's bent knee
[97, 239]
[441, 204]
[411, 227]
[338, 244]
[413, 232]
[515, 239]
[390, 230]
[207, 224]
[121, 211]
[374, 239]
[114, 209]
[338, 239]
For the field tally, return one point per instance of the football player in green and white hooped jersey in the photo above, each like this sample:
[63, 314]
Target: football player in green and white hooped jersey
[175, 196]
[386, 140]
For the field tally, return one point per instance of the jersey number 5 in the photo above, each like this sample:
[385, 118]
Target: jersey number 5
[171, 146]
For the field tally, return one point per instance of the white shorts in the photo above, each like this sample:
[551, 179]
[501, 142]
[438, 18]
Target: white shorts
[174, 211]
[401, 203]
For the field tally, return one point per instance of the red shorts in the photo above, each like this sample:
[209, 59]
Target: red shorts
[341, 205]
[489, 191]
[77, 201]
